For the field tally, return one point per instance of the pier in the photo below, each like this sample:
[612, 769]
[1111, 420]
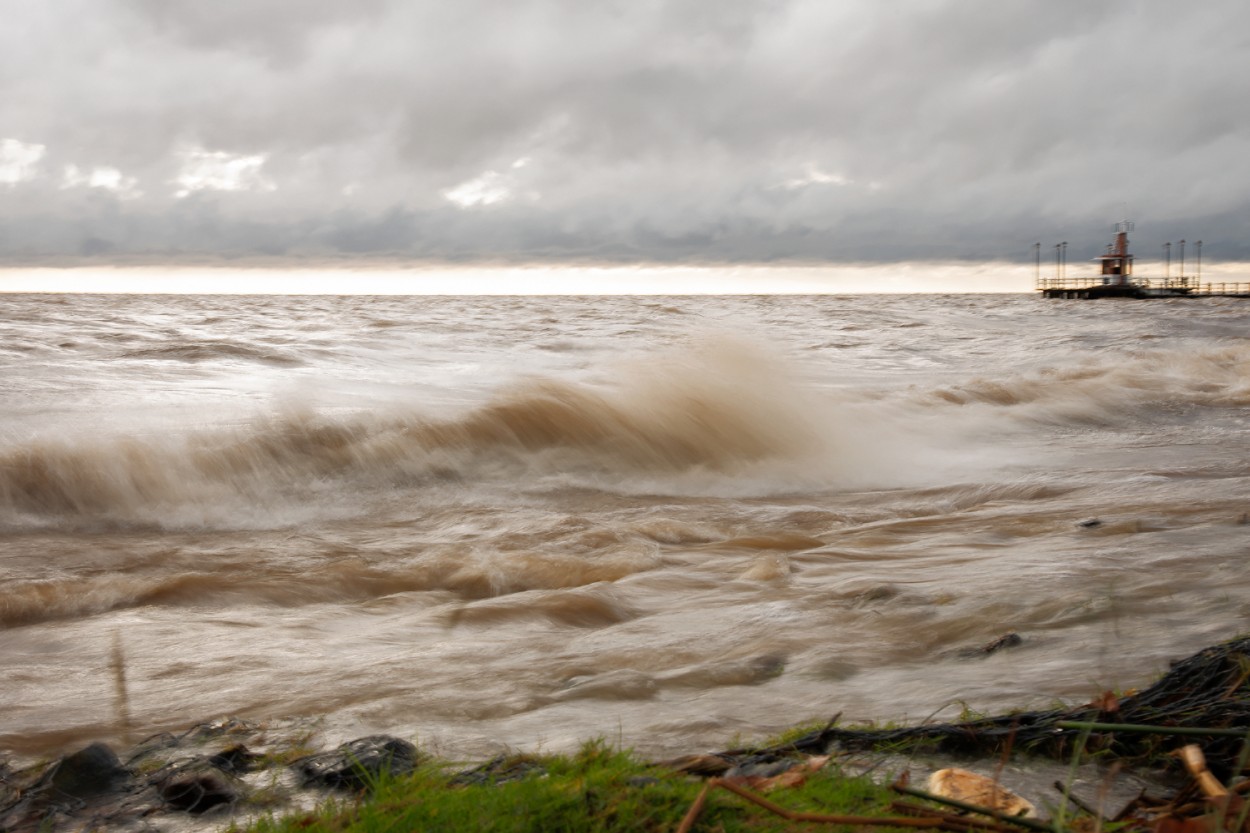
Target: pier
[1092, 288]
[1116, 278]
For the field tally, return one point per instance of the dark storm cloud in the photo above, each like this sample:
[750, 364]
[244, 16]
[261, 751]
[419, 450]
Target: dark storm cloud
[551, 129]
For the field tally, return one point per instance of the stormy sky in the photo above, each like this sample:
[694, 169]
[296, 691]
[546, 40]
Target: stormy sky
[689, 131]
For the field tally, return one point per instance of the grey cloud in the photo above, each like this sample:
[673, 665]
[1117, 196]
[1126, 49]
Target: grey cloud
[678, 131]
[276, 33]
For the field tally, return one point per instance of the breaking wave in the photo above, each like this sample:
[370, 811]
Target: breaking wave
[720, 411]
[722, 418]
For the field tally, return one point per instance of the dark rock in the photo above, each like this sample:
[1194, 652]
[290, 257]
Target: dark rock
[358, 763]
[1092, 523]
[90, 778]
[85, 773]
[199, 790]
[498, 770]
[760, 769]
[236, 759]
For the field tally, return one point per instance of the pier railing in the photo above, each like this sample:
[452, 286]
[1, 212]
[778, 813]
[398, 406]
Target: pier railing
[1222, 288]
[1186, 285]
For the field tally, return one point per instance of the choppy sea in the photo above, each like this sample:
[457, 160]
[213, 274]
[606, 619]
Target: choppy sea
[667, 521]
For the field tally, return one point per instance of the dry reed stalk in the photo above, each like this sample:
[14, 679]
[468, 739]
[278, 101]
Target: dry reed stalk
[121, 693]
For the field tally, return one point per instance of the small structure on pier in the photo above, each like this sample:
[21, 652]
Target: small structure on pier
[1117, 263]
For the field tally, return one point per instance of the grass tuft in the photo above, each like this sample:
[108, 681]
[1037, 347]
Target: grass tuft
[599, 789]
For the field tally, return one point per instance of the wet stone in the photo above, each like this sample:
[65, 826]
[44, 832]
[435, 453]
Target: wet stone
[356, 764]
[235, 759]
[167, 776]
[759, 769]
[499, 770]
[199, 790]
[90, 780]
[87, 772]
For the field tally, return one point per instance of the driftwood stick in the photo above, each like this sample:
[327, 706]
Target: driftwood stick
[1076, 802]
[921, 817]
[1147, 729]
[953, 820]
[692, 815]
[793, 815]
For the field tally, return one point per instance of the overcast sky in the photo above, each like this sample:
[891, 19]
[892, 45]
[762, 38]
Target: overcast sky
[621, 130]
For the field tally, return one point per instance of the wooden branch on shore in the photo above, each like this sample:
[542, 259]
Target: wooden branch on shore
[953, 820]
[931, 820]
[1148, 729]
[1067, 793]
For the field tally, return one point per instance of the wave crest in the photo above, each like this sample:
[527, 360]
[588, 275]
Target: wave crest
[720, 409]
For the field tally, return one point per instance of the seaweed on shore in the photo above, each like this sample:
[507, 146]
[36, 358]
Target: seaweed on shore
[1205, 693]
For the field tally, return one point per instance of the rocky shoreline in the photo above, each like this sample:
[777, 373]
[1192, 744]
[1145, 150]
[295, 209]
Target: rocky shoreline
[229, 773]
[232, 771]
[213, 774]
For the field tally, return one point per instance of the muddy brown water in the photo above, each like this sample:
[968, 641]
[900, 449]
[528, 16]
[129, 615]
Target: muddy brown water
[524, 522]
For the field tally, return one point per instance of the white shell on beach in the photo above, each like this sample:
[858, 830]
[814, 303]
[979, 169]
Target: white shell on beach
[970, 788]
